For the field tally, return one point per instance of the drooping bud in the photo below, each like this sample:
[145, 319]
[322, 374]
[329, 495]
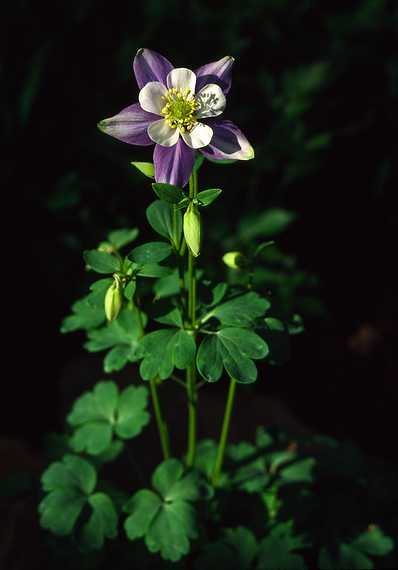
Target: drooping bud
[113, 299]
[192, 229]
[234, 259]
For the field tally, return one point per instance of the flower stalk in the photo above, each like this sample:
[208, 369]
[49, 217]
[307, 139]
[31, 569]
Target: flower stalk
[191, 371]
[224, 433]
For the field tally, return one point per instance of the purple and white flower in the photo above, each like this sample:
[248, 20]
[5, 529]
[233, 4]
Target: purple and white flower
[178, 111]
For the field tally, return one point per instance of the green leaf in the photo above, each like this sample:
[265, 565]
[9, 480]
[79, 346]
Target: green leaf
[243, 544]
[240, 311]
[172, 318]
[345, 557]
[266, 224]
[251, 474]
[237, 348]
[151, 252]
[60, 509]
[129, 290]
[118, 357]
[121, 336]
[207, 197]
[299, 471]
[275, 550]
[70, 487]
[235, 551]
[218, 293]
[101, 262]
[205, 457]
[153, 270]
[167, 286]
[209, 360]
[132, 415]
[156, 360]
[160, 216]
[74, 473]
[276, 336]
[373, 541]
[168, 192]
[98, 415]
[85, 316]
[167, 520]
[164, 349]
[143, 506]
[98, 291]
[233, 348]
[146, 168]
[102, 522]
[183, 348]
[122, 237]
[68, 484]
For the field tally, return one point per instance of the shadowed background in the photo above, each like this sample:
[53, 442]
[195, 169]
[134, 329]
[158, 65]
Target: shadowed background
[314, 88]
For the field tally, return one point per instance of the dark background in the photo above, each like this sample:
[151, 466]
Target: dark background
[315, 89]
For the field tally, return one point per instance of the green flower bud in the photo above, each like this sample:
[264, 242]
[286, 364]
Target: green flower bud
[234, 259]
[192, 229]
[113, 299]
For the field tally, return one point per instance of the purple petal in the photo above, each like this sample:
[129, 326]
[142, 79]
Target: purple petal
[130, 125]
[150, 66]
[228, 142]
[174, 165]
[218, 72]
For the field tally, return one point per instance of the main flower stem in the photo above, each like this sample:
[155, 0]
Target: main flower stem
[162, 426]
[191, 371]
[224, 433]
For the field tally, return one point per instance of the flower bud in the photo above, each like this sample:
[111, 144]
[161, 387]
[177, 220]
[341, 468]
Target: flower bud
[192, 229]
[113, 300]
[234, 259]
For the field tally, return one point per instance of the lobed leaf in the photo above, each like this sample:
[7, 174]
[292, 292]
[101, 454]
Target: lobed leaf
[167, 520]
[102, 413]
[232, 348]
[240, 311]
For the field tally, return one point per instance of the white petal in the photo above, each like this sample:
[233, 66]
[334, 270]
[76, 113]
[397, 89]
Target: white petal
[182, 78]
[199, 136]
[211, 101]
[161, 133]
[150, 97]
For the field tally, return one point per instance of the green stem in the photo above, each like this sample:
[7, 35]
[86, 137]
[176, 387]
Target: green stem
[191, 371]
[162, 426]
[224, 433]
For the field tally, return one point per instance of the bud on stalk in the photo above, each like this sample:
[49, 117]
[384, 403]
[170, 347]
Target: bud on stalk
[113, 299]
[192, 229]
[234, 259]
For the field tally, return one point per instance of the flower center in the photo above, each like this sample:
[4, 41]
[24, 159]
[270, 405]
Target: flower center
[179, 109]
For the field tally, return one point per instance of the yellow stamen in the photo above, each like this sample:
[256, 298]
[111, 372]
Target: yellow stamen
[179, 109]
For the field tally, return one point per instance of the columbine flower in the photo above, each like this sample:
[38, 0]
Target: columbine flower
[176, 111]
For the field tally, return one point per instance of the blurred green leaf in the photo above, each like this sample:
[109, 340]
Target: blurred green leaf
[267, 224]
[101, 262]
